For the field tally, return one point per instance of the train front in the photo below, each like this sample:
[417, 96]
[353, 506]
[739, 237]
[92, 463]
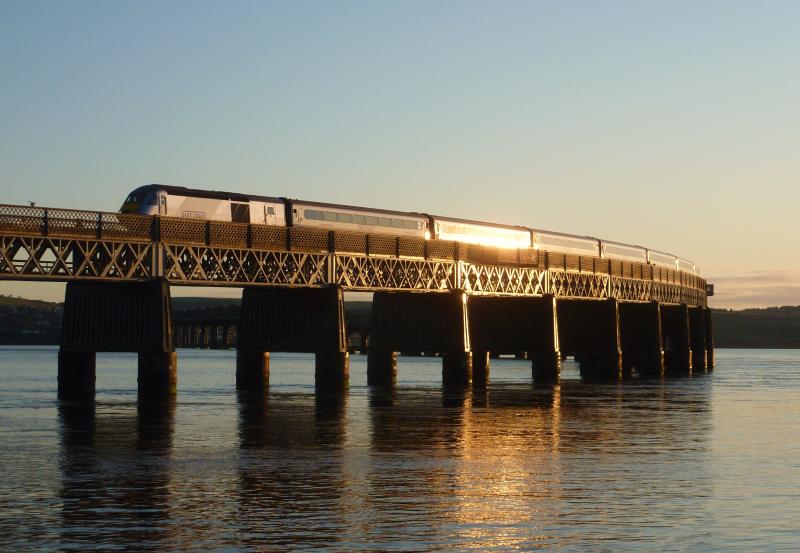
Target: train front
[143, 200]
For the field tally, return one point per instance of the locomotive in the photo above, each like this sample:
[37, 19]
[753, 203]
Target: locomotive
[178, 201]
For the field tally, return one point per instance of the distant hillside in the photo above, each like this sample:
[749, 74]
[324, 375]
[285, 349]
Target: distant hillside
[24, 321]
[773, 327]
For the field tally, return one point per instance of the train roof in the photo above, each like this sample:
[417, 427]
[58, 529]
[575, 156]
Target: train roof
[357, 208]
[482, 223]
[214, 194]
[613, 243]
[564, 234]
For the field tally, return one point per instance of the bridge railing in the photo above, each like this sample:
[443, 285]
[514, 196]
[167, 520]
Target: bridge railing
[81, 224]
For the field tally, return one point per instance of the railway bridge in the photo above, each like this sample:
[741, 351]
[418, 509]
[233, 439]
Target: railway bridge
[462, 301]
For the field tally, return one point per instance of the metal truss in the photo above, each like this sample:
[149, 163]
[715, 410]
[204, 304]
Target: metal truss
[203, 265]
[505, 280]
[579, 285]
[367, 273]
[63, 245]
[32, 258]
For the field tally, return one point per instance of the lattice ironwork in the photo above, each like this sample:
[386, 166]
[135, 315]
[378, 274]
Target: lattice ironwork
[569, 284]
[228, 234]
[60, 244]
[23, 257]
[227, 266]
[183, 231]
[382, 244]
[494, 279]
[385, 273]
[630, 289]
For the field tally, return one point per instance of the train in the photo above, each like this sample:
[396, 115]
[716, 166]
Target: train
[179, 201]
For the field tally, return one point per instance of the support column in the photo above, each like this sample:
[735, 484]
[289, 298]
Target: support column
[641, 338]
[480, 368]
[118, 316]
[709, 340]
[76, 375]
[158, 374]
[381, 368]
[425, 322]
[307, 320]
[590, 328]
[677, 344]
[697, 338]
[546, 357]
[515, 325]
[457, 368]
[332, 369]
[252, 370]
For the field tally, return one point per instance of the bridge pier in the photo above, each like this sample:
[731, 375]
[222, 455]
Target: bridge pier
[409, 321]
[590, 330]
[309, 320]
[503, 324]
[697, 338]
[480, 368]
[381, 367]
[709, 335]
[117, 316]
[641, 339]
[677, 338]
[76, 375]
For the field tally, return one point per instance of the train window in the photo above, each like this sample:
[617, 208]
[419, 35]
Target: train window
[412, 224]
[313, 214]
[329, 216]
[384, 221]
[345, 217]
[152, 199]
[372, 221]
[398, 223]
[359, 219]
[132, 197]
[270, 210]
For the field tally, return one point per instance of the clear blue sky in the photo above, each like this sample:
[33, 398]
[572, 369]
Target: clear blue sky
[675, 125]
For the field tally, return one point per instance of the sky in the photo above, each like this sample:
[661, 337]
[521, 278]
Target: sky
[674, 125]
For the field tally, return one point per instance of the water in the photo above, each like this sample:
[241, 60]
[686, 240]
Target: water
[709, 463]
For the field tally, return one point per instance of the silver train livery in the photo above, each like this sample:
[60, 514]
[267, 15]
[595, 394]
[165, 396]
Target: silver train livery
[177, 201]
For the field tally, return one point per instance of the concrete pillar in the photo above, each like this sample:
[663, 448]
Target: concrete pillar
[417, 322]
[517, 325]
[381, 368]
[590, 328]
[307, 320]
[697, 338]
[677, 344]
[457, 368]
[118, 316]
[76, 375]
[545, 366]
[252, 370]
[480, 368]
[546, 355]
[709, 334]
[332, 369]
[641, 338]
[158, 374]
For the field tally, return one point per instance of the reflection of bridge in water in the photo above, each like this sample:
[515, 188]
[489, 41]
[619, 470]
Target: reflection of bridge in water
[460, 300]
[512, 456]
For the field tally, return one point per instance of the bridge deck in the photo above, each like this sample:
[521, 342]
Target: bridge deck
[66, 245]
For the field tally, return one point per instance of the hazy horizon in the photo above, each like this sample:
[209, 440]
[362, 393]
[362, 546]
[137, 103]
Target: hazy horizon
[674, 126]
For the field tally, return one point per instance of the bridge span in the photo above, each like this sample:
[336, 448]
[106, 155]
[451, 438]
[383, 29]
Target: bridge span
[460, 300]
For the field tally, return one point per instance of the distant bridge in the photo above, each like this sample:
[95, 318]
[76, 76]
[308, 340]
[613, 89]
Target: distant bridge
[618, 317]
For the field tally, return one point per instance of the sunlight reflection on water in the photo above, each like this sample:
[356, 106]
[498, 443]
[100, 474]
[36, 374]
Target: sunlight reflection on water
[703, 463]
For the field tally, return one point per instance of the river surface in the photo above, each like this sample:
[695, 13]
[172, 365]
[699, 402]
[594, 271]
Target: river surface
[707, 463]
